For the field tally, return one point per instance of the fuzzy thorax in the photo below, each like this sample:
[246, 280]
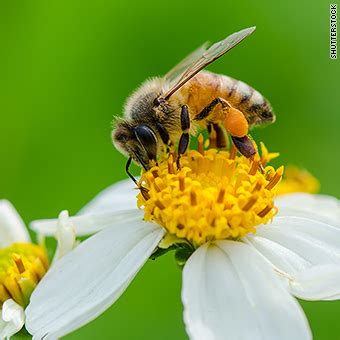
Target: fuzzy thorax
[215, 195]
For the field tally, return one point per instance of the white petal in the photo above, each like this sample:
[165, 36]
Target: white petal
[13, 319]
[317, 283]
[281, 257]
[231, 292]
[119, 196]
[89, 279]
[89, 223]
[66, 236]
[315, 242]
[294, 245]
[309, 201]
[116, 203]
[12, 228]
[319, 207]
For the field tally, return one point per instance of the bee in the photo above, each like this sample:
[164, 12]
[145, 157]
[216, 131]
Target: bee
[166, 111]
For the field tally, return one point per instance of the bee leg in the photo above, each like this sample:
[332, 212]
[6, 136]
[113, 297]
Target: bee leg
[217, 136]
[209, 108]
[164, 134]
[184, 140]
[234, 120]
[144, 191]
[221, 140]
[212, 135]
[245, 146]
[127, 170]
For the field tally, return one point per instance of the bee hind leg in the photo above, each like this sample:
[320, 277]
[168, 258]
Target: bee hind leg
[245, 146]
[217, 139]
[184, 140]
[207, 111]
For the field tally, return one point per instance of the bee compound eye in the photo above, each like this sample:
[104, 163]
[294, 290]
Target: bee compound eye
[147, 138]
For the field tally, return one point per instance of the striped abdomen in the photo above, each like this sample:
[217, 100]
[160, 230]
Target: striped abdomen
[206, 86]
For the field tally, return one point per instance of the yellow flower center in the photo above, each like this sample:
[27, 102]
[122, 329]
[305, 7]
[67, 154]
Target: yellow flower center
[22, 265]
[215, 195]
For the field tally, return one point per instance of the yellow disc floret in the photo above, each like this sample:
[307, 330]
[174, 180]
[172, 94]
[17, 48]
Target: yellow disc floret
[22, 265]
[214, 195]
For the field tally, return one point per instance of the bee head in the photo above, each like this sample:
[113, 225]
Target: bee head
[137, 141]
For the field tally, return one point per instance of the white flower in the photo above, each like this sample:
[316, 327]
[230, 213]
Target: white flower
[231, 289]
[13, 238]
[322, 208]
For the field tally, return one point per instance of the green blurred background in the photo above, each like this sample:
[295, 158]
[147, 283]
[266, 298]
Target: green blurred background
[66, 68]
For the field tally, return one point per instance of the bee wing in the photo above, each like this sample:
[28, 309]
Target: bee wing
[173, 75]
[204, 59]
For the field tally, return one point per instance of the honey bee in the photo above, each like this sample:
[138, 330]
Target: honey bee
[166, 111]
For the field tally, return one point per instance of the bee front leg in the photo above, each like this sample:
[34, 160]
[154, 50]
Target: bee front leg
[184, 140]
[127, 170]
[144, 191]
